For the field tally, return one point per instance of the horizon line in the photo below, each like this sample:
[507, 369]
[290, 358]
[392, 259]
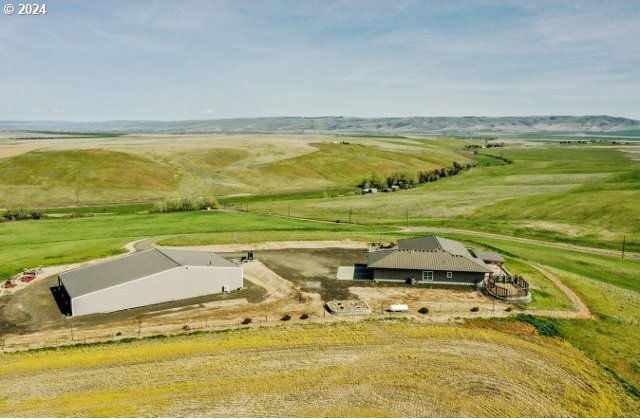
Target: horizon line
[313, 117]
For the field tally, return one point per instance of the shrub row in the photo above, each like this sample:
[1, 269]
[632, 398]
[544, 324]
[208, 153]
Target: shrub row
[185, 205]
[22, 214]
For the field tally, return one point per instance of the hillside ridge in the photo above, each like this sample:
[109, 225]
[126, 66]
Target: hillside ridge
[552, 124]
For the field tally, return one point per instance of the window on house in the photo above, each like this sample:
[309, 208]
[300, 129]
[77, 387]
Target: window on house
[427, 275]
[449, 275]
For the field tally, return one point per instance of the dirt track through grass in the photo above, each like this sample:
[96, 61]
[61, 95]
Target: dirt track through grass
[581, 309]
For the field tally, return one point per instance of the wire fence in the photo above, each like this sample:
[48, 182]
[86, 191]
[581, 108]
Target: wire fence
[140, 328]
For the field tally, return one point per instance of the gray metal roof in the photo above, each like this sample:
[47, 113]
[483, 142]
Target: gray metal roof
[85, 280]
[434, 243]
[436, 260]
[196, 258]
[488, 256]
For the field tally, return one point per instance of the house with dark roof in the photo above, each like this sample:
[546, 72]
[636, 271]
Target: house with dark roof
[143, 278]
[431, 260]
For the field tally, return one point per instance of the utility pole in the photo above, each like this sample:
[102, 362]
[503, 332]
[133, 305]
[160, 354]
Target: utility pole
[289, 209]
[407, 217]
[624, 239]
[350, 211]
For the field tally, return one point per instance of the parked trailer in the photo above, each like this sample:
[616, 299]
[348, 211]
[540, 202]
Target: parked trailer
[398, 308]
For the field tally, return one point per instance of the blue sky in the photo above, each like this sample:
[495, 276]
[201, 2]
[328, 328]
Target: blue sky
[168, 60]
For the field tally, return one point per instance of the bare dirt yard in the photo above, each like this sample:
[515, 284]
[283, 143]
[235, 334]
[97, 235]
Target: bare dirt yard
[443, 303]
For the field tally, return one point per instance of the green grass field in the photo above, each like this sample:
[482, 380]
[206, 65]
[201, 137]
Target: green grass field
[27, 244]
[585, 196]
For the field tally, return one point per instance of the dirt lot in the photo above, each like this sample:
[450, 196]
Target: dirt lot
[314, 270]
[443, 304]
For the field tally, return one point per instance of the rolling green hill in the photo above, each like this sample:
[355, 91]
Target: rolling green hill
[164, 171]
[583, 195]
[81, 175]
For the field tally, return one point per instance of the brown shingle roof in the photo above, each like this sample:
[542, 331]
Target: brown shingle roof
[437, 260]
[434, 243]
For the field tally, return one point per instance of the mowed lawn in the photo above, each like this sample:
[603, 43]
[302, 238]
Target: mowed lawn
[351, 369]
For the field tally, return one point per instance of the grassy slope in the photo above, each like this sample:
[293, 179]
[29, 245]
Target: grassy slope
[317, 370]
[583, 195]
[608, 202]
[89, 176]
[81, 174]
[335, 165]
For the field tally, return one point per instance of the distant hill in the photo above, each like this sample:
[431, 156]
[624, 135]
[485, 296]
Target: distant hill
[474, 125]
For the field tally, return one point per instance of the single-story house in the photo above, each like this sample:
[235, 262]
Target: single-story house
[144, 278]
[434, 260]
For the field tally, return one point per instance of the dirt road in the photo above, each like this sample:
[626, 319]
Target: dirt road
[585, 249]
[581, 309]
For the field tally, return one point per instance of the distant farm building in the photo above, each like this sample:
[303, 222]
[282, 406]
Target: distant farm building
[149, 277]
[369, 190]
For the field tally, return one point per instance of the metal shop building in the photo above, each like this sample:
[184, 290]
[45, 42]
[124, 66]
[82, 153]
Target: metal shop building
[148, 277]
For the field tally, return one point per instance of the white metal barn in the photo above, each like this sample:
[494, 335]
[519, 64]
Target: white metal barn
[148, 277]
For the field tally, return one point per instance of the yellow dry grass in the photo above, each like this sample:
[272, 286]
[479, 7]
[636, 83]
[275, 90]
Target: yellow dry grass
[374, 368]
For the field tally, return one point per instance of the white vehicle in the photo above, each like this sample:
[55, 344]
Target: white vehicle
[398, 308]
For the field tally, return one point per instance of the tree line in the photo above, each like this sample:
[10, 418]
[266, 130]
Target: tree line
[405, 180]
[185, 205]
[488, 145]
[19, 214]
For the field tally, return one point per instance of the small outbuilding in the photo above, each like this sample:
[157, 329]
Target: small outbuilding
[488, 257]
[149, 277]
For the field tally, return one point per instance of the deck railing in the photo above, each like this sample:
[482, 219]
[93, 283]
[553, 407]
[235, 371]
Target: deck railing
[520, 286]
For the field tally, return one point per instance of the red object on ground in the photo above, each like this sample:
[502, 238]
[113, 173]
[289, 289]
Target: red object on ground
[9, 284]
[27, 278]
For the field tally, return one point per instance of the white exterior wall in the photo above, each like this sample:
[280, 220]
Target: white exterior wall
[175, 284]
